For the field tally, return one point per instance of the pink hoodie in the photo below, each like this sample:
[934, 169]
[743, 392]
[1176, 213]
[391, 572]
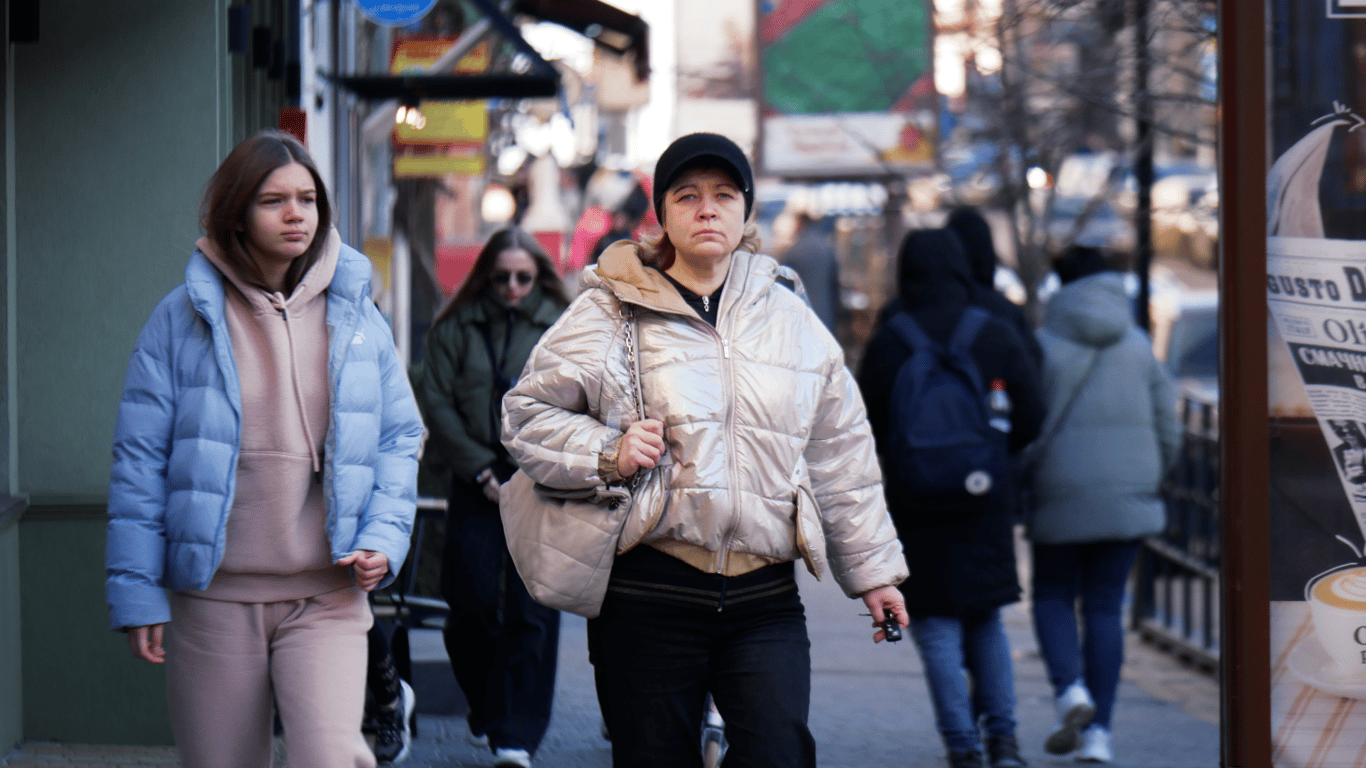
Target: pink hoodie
[277, 546]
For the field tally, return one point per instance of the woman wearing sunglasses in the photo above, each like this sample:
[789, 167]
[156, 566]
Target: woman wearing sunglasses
[502, 644]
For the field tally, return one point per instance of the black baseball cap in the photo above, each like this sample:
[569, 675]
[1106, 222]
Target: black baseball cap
[702, 150]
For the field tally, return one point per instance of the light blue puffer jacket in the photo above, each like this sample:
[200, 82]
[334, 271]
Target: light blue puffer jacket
[179, 423]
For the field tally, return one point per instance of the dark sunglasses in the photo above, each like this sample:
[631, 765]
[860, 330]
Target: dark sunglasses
[523, 278]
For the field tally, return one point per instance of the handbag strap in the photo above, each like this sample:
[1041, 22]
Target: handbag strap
[1038, 446]
[631, 328]
[632, 331]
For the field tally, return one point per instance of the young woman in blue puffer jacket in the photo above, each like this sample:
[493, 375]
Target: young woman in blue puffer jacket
[265, 473]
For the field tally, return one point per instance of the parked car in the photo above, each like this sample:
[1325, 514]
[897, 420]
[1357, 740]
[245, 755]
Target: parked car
[1186, 218]
[973, 172]
[1101, 187]
[1185, 331]
[1082, 212]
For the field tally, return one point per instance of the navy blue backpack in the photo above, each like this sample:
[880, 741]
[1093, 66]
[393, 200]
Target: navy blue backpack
[941, 442]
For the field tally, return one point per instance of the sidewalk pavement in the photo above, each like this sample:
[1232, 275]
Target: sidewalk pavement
[870, 707]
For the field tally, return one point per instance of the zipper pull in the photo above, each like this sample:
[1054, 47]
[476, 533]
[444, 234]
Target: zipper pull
[725, 349]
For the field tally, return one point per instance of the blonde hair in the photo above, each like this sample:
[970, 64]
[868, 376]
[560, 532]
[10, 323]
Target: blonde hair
[656, 250]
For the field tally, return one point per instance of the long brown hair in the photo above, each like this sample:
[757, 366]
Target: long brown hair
[479, 279]
[233, 187]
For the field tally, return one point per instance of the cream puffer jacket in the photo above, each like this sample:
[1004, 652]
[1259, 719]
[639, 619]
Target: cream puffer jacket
[770, 456]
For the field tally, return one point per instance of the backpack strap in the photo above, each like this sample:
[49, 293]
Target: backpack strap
[909, 331]
[969, 325]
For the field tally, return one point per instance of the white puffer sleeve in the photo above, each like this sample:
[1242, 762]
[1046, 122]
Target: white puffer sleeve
[861, 541]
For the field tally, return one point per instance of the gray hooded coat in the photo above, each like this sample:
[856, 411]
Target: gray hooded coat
[1097, 478]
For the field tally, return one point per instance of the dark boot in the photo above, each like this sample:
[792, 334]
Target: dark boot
[1004, 752]
[969, 759]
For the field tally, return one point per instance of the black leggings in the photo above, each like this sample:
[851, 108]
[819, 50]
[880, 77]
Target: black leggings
[381, 674]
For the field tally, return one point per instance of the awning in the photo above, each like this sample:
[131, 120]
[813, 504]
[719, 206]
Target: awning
[412, 88]
[605, 24]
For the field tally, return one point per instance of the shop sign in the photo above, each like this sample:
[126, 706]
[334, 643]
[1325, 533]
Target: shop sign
[437, 164]
[395, 13]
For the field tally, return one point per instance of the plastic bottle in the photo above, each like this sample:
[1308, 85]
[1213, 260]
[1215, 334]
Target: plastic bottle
[999, 404]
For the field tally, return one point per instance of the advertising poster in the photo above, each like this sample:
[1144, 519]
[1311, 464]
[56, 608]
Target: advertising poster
[1316, 297]
[848, 86]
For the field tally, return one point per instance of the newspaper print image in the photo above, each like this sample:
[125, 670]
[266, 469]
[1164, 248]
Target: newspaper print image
[1316, 296]
[1350, 455]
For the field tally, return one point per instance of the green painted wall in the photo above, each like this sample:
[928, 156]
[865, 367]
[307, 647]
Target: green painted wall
[11, 678]
[117, 128]
[81, 683]
[11, 645]
[119, 115]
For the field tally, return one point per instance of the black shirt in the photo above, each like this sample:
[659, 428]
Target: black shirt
[704, 306]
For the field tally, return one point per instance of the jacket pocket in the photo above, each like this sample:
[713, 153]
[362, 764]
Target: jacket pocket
[807, 526]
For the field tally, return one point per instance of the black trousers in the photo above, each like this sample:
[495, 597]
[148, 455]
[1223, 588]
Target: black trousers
[668, 634]
[503, 645]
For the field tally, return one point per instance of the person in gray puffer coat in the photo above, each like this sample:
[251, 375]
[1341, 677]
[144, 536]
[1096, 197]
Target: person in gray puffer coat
[1110, 435]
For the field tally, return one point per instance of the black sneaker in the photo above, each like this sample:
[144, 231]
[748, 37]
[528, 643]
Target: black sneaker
[393, 733]
[968, 759]
[1004, 752]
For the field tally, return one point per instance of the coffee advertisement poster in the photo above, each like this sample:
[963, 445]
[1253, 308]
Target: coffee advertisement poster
[1316, 336]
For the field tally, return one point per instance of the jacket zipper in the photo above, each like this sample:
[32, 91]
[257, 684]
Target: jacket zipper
[728, 382]
[727, 376]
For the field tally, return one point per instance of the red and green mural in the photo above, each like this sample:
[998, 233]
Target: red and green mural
[832, 56]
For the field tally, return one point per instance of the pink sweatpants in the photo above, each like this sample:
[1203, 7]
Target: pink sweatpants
[225, 661]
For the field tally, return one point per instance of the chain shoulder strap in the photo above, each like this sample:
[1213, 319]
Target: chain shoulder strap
[631, 335]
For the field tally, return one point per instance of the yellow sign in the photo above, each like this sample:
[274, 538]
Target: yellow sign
[447, 122]
[418, 54]
[380, 250]
[411, 166]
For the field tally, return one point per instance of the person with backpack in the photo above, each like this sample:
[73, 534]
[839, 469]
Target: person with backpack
[974, 232]
[951, 393]
[1112, 432]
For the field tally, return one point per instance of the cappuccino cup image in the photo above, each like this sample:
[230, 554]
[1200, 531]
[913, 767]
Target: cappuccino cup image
[1337, 603]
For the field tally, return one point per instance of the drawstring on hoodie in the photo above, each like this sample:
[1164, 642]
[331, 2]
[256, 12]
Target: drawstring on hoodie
[277, 300]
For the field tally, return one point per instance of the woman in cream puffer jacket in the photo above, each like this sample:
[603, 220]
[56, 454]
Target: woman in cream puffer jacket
[761, 448]
[786, 430]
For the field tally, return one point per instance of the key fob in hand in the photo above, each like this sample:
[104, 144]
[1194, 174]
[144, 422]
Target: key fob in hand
[891, 629]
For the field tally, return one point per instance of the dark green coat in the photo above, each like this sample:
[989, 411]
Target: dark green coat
[460, 399]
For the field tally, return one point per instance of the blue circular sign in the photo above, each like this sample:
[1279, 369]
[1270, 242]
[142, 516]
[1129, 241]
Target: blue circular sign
[395, 13]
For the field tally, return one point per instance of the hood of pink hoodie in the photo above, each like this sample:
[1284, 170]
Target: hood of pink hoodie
[276, 543]
[266, 307]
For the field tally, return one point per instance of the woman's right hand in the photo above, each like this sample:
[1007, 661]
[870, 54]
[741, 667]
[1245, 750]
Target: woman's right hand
[145, 643]
[641, 447]
[488, 483]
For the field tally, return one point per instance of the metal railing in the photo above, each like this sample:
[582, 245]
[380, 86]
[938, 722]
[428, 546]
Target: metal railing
[414, 598]
[1176, 595]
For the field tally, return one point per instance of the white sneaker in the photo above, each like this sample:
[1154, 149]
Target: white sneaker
[511, 758]
[1095, 745]
[1075, 710]
[475, 739]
